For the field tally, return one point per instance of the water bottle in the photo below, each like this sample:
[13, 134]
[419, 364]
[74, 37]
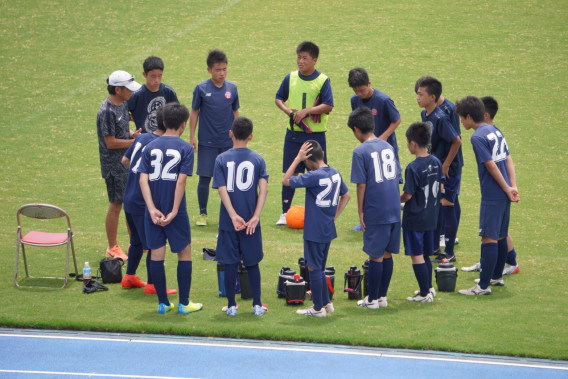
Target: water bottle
[87, 273]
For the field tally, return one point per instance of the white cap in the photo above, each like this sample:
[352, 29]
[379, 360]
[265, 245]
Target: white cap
[123, 79]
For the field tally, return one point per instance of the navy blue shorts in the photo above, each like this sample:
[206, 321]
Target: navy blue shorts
[232, 246]
[206, 156]
[494, 219]
[452, 188]
[177, 233]
[137, 233]
[315, 254]
[418, 243]
[116, 184]
[292, 144]
[380, 238]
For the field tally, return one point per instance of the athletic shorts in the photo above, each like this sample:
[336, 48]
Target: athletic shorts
[315, 254]
[177, 233]
[206, 156]
[418, 243]
[232, 246]
[292, 144]
[380, 238]
[494, 219]
[137, 233]
[115, 187]
[452, 188]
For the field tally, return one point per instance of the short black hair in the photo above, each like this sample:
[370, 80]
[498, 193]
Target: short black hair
[153, 63]
[417, 84]
[358, 77]
[473, 106]
[308, 47]
[160, 119]
[491, 106]
[316, 152]
[433, 87]
[420, 133]
[216, 56]
[174, 114]
[362, 118]
[242, 128]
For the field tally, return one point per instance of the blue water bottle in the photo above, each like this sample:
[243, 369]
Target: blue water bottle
[87, 273]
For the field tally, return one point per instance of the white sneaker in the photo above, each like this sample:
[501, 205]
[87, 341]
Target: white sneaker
[365, 303]
[432, 292]
[456, 241]
[476, 290]
[329, 308]
[476, 267]
[442, 240]
[258, 310]
[509, 269]
[494, 282]
[232, 311]
[423, 299]
[383, 302]
[282, 220]
[312, 312]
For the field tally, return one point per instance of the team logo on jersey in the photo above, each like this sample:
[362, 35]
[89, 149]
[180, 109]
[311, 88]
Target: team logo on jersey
[151, 124]
[208, 94]
[374, 112]
[228, 95]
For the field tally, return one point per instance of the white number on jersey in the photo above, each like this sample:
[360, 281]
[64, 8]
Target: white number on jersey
[435, 189]
[328, 184]
[243, 176]
[156, 163]
[134, 168]
[499, 152]
[384, 166]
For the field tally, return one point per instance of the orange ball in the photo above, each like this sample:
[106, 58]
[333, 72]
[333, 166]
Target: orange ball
[295, 217]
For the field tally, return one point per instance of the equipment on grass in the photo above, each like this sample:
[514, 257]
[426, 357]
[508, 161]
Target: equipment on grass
[209, 254]
[111, 270]
[352, 283]
[330, 280]
[295, 217]
[295, 290]
[286, 273]
[366, 278]
[446, 277]
[221, 280]
[246, 292]
[304, 271]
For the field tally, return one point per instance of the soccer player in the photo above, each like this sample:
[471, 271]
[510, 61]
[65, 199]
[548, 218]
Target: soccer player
[134, 209]
[421, 195]
[215, 104]
[115, 137]
[445, 145]
[326, 197]
[305, 97]
[151, 96]
[241, 178]
[375, 171]
[498, 185]
[511, 265]
[166, 162]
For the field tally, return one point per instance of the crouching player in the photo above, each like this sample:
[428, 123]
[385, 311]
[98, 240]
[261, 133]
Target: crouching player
[241, 178]
[165, 165]
[326, 197]
[374, 170]
[421, 195]
[498, 185]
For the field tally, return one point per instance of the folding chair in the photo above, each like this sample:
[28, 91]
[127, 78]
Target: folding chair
[43, 239]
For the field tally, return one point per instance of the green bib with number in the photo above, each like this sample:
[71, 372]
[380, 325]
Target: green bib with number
[303, 94]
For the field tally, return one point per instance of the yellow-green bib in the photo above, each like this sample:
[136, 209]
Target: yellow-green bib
[303, 94]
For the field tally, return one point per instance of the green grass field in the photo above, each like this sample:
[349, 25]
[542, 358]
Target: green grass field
[56, 55]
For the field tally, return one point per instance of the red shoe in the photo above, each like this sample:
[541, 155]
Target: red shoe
[116, 252]
[132, 281]
[151, 290]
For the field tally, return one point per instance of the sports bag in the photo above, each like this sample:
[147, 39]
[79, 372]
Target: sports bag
[111, 270]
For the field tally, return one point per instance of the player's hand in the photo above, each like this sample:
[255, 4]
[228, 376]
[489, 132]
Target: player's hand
[136, 133]
[193, 142]
[238, 223]
[304, 152]
[169, 218]
[361, 217]
[251, 225]
[446, 170]
[156, 216]
[300, 115]
[513, 194]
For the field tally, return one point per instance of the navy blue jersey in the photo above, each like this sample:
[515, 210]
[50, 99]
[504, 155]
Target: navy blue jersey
[144, 103]
[384, 113]
[489, 144]
[133, 199]
[216, 108]
[443, 133]
[239, 170]
[450, 109]
[323, 186]
[326, 95]
[374, 164]
[163, 160]
[423, 177]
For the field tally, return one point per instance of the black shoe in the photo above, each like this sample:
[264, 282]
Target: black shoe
[88, 287]
[99, 286]
[438, 252]
[443, 256]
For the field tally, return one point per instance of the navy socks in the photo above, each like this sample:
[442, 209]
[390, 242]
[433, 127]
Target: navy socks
[287, 196]
[316, 284]
[501, 258]
[203, 193]
[512, 257]
[428, 263]
[386, 278]
[451, 228]
[134, 257]
[489, 253]
[159, 277]
[375, 275]
[231, 272]
[254, 281]
[421, 273]
[184, 269]
[148, 260]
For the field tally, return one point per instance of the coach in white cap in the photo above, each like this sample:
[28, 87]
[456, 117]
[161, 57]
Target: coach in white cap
[115, 137]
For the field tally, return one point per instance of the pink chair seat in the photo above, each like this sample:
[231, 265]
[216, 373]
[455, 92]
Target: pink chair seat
[42, 238]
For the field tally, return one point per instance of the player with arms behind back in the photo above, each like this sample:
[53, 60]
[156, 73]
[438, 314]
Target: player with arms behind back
[241, 177]
[326, 197]
[375, 171]
[498, 184]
